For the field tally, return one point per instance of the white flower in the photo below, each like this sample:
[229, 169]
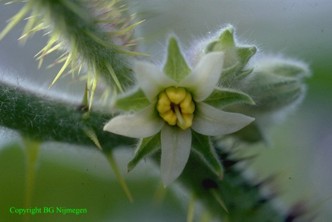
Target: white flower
[177, 107]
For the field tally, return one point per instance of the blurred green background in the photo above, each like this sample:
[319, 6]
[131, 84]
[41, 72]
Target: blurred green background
[300, 149]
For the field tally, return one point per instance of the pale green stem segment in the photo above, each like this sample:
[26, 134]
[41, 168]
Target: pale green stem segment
[191, 208]
[160, 194]
[32, 148]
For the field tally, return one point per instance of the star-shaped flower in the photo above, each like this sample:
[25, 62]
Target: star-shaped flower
[177, 109]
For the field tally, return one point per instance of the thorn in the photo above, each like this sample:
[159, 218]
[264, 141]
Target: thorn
[61, 70]
[85, 100]
[114, 77]
[15, 20]
[119, 177]
[93, 137]
[219, 199]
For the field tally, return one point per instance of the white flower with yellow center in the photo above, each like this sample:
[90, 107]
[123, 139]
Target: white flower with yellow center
[177, 109]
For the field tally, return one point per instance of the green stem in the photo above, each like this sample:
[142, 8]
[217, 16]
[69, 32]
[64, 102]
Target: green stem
[46, 119]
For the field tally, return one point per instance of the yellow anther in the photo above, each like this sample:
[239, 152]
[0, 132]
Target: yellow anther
[169, 117]
[176, 95]
[187, 121]
[164, 104]
[176, 107]
[187, 105]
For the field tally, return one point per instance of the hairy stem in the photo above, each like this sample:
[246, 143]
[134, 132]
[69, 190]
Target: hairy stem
[46, 119]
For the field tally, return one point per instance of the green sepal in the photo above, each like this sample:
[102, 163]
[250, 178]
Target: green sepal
[202, 145]
[133, 101]
[221, 98]
[244, 73]
[176, 66]
[236, 57]
[146, 147]
[250, 134]
[226, 40]
[245, 53]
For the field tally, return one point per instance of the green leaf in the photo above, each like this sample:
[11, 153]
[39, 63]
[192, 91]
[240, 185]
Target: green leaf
[203, 147]
[176, 66]
[146, 147]
[133, 102]
[221, 98]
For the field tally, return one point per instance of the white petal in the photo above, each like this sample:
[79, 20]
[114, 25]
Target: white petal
[214, 122]
[151, 79]
[205, 76]
[175, 150]
[138, 125]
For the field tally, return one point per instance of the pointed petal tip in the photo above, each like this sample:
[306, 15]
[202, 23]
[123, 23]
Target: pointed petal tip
[168, 179]
[108, 127]
[138, 125]
[214, 122]
[166, 182]
[250, 119]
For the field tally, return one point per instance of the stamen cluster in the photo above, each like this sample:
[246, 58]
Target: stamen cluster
[176, 107]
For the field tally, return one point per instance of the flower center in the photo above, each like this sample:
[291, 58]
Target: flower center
[176, 107]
